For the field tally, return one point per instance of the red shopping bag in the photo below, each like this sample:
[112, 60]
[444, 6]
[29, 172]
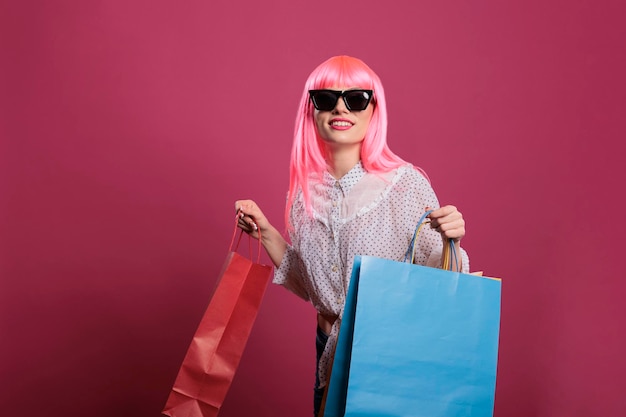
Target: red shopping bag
[215, 351]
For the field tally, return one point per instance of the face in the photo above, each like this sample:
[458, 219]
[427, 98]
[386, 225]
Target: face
[341, 127]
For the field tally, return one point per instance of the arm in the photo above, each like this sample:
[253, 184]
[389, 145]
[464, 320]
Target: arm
[284, 257]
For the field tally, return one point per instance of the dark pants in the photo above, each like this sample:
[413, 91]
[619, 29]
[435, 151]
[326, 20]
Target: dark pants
[318, 393]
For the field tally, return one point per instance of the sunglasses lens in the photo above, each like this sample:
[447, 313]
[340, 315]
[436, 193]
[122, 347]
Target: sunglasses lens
[357, 100]
[324, 100]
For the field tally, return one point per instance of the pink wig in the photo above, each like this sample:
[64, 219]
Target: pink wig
[308, 151]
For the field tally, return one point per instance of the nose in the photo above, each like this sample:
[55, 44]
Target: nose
[340, 107]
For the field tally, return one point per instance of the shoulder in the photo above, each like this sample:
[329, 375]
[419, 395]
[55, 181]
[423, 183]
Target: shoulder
[297, 207]
[411, 175]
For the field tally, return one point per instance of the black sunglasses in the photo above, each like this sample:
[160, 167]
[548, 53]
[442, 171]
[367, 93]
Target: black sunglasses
[355, 100]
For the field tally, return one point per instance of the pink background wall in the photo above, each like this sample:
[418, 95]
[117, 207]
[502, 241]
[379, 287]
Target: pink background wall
[128, 129]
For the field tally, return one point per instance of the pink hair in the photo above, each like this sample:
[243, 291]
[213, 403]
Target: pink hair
[308, 151]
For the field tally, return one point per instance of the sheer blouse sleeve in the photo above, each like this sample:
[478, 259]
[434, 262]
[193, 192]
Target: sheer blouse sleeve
[288, 274]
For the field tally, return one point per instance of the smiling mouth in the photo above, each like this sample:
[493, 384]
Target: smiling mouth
[340, 123]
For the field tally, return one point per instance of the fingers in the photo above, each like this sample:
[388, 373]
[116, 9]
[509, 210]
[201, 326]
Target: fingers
[246, 223]
[448, 221]
[250, 217]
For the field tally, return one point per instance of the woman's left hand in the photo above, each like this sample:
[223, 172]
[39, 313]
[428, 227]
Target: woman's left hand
[448, 221]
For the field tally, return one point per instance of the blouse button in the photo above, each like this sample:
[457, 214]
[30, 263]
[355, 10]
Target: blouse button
[334, 204]
[334, 268]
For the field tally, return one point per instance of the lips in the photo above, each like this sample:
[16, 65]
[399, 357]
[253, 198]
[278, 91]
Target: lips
[341, 124]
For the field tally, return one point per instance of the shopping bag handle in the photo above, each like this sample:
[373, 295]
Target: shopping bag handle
[448, 254]
[235, 248]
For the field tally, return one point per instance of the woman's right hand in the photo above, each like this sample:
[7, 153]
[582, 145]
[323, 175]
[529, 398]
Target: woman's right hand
[252, 221]
[251, 218]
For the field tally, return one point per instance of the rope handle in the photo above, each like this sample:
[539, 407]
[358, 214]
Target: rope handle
[448, 254]
[232, 241]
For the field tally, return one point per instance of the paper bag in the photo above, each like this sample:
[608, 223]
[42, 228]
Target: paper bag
[415, 341]
[215, 351]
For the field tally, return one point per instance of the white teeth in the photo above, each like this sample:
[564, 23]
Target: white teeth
[343, 124]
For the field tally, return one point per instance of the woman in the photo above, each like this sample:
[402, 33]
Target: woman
[348, 195]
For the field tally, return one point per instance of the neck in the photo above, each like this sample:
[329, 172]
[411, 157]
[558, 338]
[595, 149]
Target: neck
[342, 160]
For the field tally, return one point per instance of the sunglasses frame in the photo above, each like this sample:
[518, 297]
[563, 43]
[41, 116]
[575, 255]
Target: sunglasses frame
[341, 94]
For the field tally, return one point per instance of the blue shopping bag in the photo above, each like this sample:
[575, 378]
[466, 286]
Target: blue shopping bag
[415, 341]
